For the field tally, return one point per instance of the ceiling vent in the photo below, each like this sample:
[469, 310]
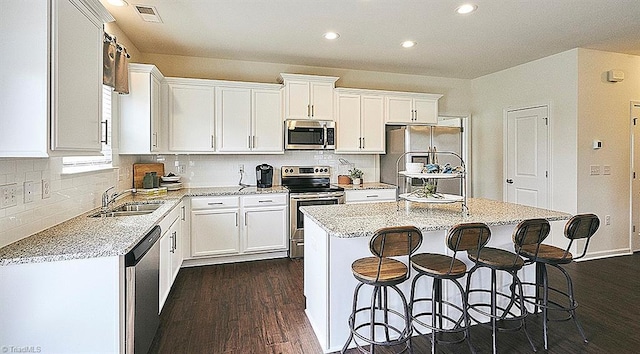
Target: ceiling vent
[148, 13]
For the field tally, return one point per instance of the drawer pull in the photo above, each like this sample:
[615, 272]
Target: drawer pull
[373, 196]
[216, 203]
[265, 201]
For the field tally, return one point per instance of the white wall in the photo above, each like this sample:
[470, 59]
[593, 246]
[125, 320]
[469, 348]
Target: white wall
[583, 107]
[604, 114]
[552, 80]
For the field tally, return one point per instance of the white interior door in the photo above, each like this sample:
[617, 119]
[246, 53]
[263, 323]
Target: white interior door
[526, 162]
[635, 193]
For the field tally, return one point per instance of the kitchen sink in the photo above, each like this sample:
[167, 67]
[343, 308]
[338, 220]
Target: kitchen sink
[130, 209]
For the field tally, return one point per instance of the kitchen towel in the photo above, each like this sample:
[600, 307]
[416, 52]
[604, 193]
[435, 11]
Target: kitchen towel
[108, 61]
[121, 70]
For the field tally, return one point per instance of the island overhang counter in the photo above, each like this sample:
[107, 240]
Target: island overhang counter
[337, 235]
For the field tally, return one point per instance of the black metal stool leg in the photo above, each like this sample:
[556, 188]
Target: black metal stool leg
[572, 304]
[545, 303]
[524, 311]
[352, 318]
[494, 328]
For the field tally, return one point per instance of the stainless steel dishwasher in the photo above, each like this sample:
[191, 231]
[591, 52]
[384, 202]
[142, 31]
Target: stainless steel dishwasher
[142, 288]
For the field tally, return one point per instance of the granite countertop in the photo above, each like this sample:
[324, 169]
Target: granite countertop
[367, 185]
[361, 220]
[84, 237]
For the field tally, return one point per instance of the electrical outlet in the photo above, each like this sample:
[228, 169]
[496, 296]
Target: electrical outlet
[241, 168]
[595, 170]
[606, 170]
[180, 169]
[28, 191]
[46, 188]
[8, 195]
[607, 219]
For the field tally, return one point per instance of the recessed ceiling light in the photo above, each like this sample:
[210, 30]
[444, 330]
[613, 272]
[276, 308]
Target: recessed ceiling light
[408, 44]
[118, 2]
[466, 9]
[331, 35]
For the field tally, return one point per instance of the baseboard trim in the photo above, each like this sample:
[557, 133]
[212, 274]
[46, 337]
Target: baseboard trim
[197, 262]
[606, 254]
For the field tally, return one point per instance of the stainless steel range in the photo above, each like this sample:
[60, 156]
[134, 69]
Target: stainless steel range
[308, 185]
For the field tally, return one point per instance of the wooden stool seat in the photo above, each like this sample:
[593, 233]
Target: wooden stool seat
[438, 265]
[496, 258]
[391, 270]
[547, 254]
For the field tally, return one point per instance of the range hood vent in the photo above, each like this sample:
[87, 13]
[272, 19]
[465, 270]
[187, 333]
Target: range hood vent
[148, 13]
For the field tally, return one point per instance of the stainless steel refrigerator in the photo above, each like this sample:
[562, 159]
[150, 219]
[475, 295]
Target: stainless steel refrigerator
[446, 136]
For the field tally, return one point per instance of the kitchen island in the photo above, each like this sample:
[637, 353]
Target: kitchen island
[337, 235]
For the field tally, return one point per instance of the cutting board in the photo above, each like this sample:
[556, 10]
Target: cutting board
[139, 169]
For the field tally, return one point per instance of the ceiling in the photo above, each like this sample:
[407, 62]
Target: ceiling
[499, 35]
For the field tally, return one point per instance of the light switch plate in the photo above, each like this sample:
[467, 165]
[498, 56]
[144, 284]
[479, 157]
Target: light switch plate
[8, 196]
[28, 191]
[595, 170]
[606, 170]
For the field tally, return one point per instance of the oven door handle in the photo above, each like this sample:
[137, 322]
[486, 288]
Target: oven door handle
[317, 197]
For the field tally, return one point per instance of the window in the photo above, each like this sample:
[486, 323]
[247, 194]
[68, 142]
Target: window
[75, 164]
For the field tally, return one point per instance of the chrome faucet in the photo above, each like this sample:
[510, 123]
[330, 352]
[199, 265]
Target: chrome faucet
[107, 199]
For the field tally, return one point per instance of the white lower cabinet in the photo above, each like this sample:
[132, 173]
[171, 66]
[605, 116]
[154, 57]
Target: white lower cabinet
[369, 196]
[171, 243]
[215, 227]
[235, 226]
[265, 223]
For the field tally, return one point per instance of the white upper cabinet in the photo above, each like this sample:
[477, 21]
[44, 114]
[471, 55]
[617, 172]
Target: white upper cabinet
[140, 112]
[63, 98]
[248, 118]
[412, 108]
[267, 121]
[233, 119]
[360, 121]
[308, 96]
[191, 115]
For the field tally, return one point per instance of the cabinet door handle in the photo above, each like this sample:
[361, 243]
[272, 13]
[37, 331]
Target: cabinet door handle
[173, 242]
[245, 218]
[184, 213]
[253, 142]
[212, 142]
[155, 139]
[363, 142]
[308, 110]
[236, 219]
[106, 132]
[249, 141]
[313, 110]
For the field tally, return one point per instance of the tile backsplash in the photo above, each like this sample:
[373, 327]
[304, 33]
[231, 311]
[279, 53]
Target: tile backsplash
[70, 194]
[223, 170]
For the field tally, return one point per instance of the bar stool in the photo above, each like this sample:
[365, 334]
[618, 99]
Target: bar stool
[461, 237]
[383, 273]
[495, 260]
[581, 226]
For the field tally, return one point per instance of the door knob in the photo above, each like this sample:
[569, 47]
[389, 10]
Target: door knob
[509, 180]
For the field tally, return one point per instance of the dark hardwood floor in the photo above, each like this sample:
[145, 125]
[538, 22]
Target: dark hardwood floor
[257, 307]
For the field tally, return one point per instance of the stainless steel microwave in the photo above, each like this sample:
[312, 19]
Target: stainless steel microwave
[309, 135]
